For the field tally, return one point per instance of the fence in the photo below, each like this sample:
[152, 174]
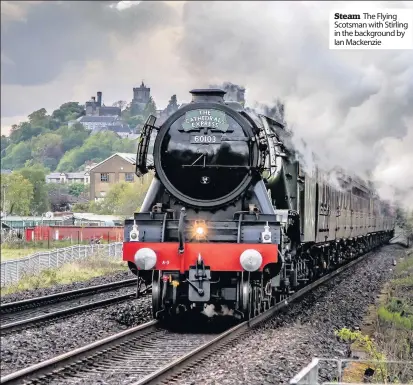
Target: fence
[326, 371]
[12, 271]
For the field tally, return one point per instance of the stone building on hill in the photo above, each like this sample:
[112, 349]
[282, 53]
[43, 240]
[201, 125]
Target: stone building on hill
[141, 96]
[94, 107]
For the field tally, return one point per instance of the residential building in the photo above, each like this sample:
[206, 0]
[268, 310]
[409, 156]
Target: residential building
[5, 171]
[120, 167]
[71, 123]
[68, 177]
[98, 123]
[119, 127]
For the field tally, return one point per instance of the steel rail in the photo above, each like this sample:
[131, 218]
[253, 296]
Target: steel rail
[77, 354]
[179, 364]
[55, 297]
[18, 325]
[61, 362]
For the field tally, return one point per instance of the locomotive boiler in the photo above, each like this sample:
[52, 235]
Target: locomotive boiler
[232, 220]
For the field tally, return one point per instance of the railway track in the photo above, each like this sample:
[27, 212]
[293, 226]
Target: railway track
[146, 354]
[21, 314]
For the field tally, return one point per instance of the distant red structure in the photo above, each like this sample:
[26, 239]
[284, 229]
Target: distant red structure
[75, 233]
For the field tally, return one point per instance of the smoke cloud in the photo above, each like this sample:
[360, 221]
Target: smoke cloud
[353, 109]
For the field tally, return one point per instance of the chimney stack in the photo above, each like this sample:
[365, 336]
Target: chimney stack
[99, 99]
[208, 95]
[93, 98]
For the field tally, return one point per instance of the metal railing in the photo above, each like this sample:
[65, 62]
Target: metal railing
[12, 271]
[324, 371]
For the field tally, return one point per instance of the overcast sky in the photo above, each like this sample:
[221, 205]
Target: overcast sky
[355, 107]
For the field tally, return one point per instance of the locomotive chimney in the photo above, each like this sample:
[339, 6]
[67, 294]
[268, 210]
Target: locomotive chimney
[208, 95]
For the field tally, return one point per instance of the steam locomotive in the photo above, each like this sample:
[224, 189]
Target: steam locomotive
[232, 221]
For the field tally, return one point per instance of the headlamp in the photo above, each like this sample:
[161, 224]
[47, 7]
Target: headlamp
[199, 230]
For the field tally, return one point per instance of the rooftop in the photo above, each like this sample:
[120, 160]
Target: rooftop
[17, 218]
[98, 119]
[126, 156]
[119, 128]
[69, 175]
[104, 110]
[95, 217]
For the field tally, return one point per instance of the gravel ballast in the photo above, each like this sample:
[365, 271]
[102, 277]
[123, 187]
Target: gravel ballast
[271, 354]
[28, 347]
[277, 351]
[40, 292]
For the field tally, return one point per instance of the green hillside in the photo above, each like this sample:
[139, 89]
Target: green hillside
[48, 141]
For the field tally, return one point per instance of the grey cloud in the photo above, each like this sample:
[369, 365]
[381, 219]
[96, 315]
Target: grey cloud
[352, 108]
[57, 33]
[345, 104]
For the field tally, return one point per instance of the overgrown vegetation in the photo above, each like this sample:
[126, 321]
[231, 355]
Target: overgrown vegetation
[9, 253]
[122, 199]
[392, 331]
[395, 314]
[19, 248]
[365, 343]
[72, 272]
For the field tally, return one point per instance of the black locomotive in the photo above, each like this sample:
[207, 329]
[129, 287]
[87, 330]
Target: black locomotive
[231, 220]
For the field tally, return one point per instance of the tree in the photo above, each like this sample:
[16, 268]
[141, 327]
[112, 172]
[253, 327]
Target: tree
[172, 105]
[25, 131]
[96, 147]
[150, 108]
[58, 195]
[125, 145]
[36, 174]
[135, 121]
[123, 198]
[126, 113]
[68, 111]
[82, 207]
[38, 117]
[16, 194]
[72, 137]
[47, 146]
[16, 155]
[5, 141]
[120, 103]
[76, 189]
[48, 141]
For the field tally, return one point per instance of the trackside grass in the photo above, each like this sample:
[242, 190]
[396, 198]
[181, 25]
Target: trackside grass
[82, 270]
